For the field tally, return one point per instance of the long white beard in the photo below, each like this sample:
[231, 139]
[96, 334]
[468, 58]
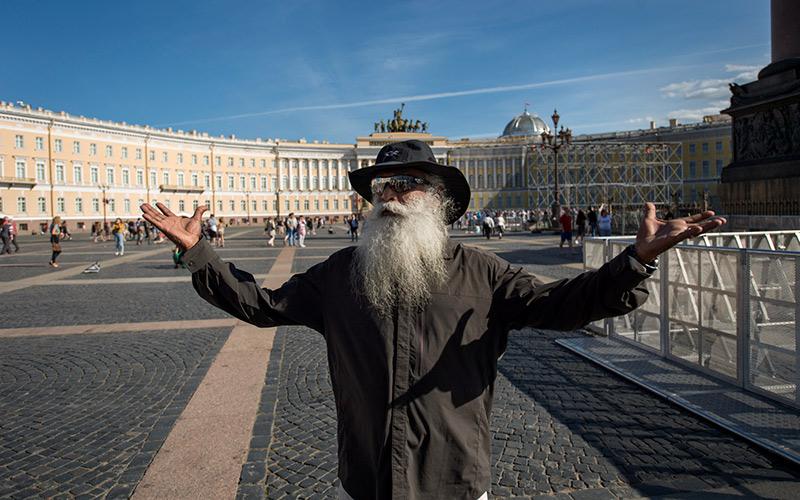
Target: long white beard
[401, 258]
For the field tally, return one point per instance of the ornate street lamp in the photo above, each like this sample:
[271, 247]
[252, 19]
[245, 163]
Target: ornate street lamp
[556, 142]
[104, 188]
[247, 194]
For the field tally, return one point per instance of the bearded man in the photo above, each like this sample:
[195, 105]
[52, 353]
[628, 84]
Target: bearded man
[415, 323]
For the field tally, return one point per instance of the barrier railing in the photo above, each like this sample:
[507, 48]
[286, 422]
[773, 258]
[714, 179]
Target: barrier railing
[730, 312]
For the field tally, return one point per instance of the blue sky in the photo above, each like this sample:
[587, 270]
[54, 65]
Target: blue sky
[327, 70]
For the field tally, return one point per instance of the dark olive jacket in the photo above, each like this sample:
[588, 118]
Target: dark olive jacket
[414, 392]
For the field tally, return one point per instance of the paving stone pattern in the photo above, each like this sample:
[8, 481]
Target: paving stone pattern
[82, 416]
[562, 427]
[108, 303]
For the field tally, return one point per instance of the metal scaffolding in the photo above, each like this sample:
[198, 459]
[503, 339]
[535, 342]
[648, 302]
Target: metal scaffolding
[623, 175]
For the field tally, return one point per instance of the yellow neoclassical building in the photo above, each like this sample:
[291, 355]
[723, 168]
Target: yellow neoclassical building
[85, 170]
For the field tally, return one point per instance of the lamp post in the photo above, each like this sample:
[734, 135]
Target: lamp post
[247, 194]
[556, 142]
[104, 188]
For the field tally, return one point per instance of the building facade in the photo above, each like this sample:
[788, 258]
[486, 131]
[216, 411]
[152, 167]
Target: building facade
[85, 170]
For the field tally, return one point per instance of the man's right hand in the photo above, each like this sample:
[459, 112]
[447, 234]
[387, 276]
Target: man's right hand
[183, 231]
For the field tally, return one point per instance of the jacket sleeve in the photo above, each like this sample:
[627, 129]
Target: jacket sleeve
[613, 290]
[237, 293]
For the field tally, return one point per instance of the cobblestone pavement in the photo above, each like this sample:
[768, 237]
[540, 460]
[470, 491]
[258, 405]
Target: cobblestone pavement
[82, 416]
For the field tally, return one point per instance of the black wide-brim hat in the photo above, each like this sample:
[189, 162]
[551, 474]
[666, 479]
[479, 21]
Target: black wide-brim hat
[414, 154]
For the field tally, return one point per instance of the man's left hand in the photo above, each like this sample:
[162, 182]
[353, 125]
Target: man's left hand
[656, 236]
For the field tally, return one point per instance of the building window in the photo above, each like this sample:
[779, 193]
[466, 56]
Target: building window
[692, 169]
[180, 158]
[165, 178]
[241, 182]
[692, 149]
[164, 157]
[76, 147]
[231, 205]
[217, 161]
[195, 204]
[181, 206]
[96, 205]
[285, 182]
[219, 181]
[110, 176]
[39, 144]
[138, 154]
[231, 182]
[152, 155]
[61, 206]
[139, 178]
[316, 205]
[109, 152]
[325, 205]
[324, 182]
[19, 141]
[126, 206]
[705, 148]
[77, 174]
[41, 204]
[295, 183]
[273, 180]
[286, 205]
[153, 178]
[126, 177]
[58, 145]
[180, 178]
[124, 152]
[241, 162]
[194, 159]
[60, 173]
[230, 161]
[195, 179]
[41, 174]
[706, 169]
[207, 180]
[244, 206]
[206, 160]
[94, 174]
[264, 165]
[79, 205]
[21, 169]
[719, 166]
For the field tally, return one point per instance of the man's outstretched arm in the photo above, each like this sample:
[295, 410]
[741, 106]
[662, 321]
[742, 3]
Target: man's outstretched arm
[183, 231]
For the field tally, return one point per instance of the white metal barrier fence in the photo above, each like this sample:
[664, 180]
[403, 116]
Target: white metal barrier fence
[730, 312]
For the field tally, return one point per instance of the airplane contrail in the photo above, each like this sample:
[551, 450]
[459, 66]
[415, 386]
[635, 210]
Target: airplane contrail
[428, 97]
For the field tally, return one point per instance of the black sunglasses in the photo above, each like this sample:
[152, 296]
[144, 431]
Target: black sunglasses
[399, 183]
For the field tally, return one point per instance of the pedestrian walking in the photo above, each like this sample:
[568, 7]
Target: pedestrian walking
[500, 223]
[415, 323]
[5, 236]
[488, 225]
[118, 231]
[565, 223]
[55, 240]
[604, 221]
[591, 217]
[14, 233]
[221, 232]
[353, 224]
[580, 226]
[269, 231]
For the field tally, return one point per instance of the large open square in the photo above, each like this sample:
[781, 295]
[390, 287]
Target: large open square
[124, 383]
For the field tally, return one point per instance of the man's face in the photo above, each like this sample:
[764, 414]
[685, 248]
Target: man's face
[405, 197]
